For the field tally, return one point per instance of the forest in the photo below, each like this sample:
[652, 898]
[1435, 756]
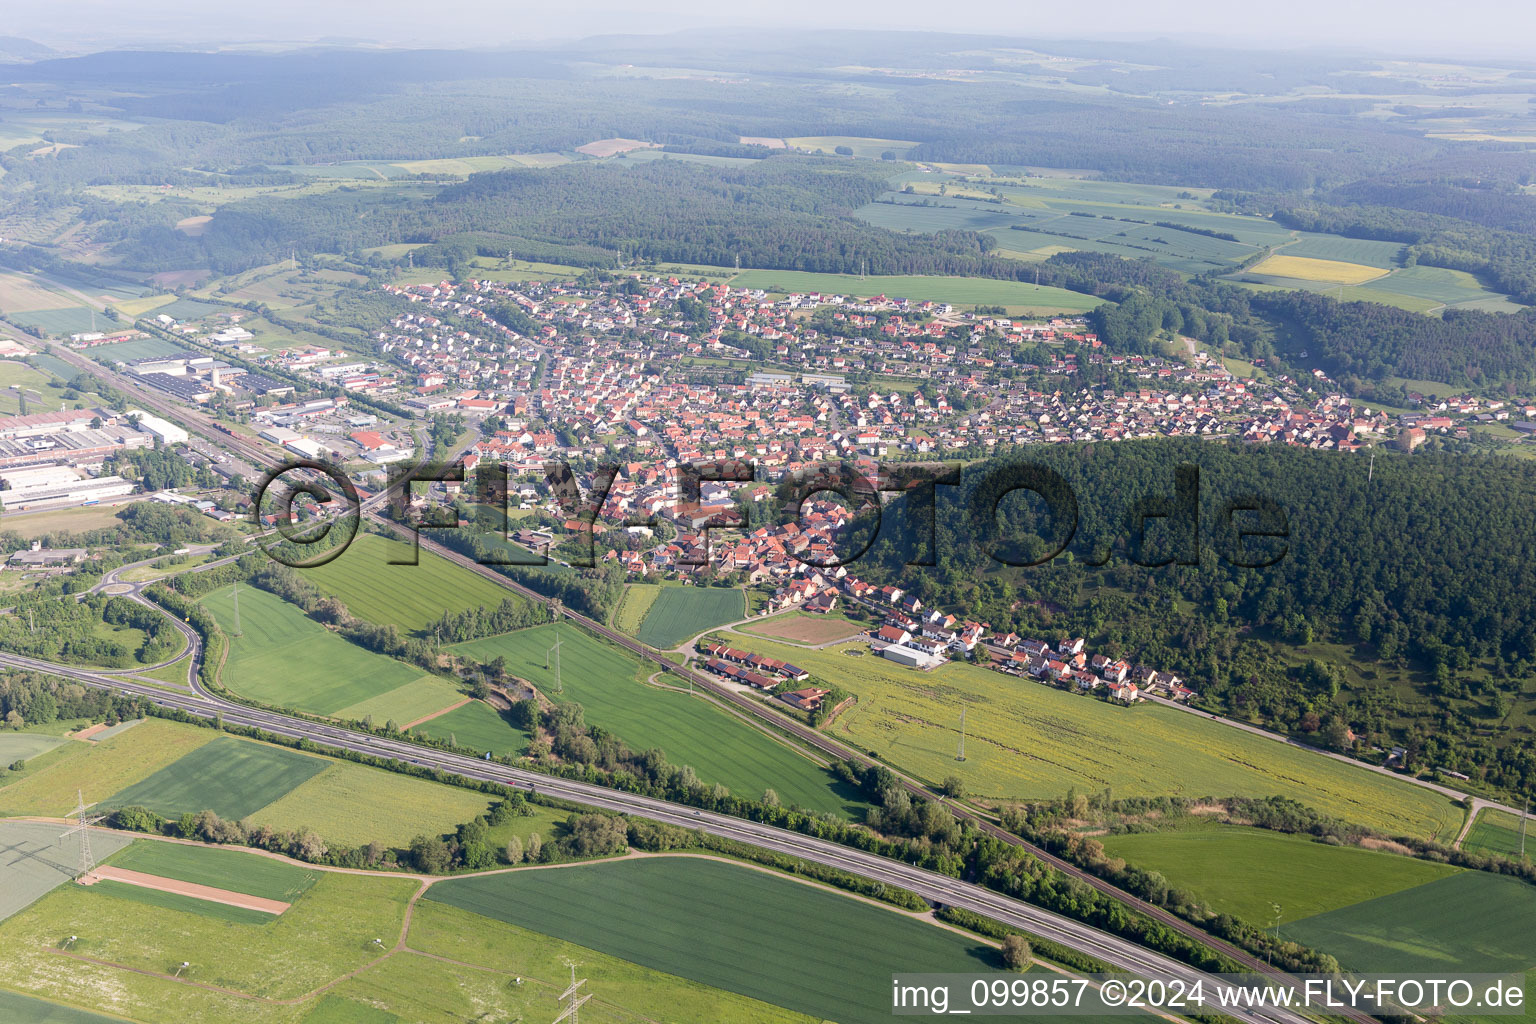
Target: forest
[1423, 563]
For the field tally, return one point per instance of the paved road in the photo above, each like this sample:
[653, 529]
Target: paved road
[934, 887]
[741, 702]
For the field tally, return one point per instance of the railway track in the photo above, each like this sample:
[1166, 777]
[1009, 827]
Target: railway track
[802, 734]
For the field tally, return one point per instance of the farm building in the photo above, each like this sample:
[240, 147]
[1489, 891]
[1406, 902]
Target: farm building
[808, 699]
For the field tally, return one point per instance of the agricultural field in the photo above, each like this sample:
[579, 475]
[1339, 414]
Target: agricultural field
[33, 862]
[167, 900]
[17, 1007]
[191, 310]
[427, 695]
[606, 682]
[23, 746]
[50, 784]
[1020, 297]
[864, 148]
[60, 321]
[477, 726]
[1499, 832]
[681, 613]
[409, 596]
[805, 628]
[24, 292]
[1471, 921]
[1436, 284]
[638, 598]
[1027, 739]
[232, 777]
[352, 804]
[693, 917]
[282, 657]
[1307, 268]
[326, 933]
[317, 944]
[138, 348]
[1370, 253]
[231, 869]
[144, 304]
[16, 376]
[31, 525]
[465, 166]
[1244, 871]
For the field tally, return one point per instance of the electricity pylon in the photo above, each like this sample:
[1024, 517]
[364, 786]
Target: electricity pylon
[82, 828]
[569, 1013]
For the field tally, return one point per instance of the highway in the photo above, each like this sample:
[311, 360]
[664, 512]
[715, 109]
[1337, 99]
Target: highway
[936, 888]
[930, 885]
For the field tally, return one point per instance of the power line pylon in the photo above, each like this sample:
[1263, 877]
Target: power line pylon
[961, 755]
[569, 1013]
[82, 828]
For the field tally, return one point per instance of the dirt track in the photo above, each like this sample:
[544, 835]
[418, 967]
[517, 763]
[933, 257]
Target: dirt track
[201, 892]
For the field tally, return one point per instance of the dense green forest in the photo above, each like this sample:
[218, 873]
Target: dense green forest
[248, 122]
[1427, 568]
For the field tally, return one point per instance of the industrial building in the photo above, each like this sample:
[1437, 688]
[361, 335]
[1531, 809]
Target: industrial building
[167, 432]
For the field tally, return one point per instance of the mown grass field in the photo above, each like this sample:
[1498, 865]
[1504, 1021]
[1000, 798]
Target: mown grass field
[698, 919]
[405, 703]
[638, 598]
[15, 375]
[232, 777]
[1019, 297]
[605, 681]
[99, 770]
[408, 596]
[1499, 832]
[681, 613]
[1243, 871]
[325, 934]
[805, 628]
[284, 658]
[1471, 921]
[230, 869]
[478, 726]
[1026, 739]
[351, 804]
[1307, 268]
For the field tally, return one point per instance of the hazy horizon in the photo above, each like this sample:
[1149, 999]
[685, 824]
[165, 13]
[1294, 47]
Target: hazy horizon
[1406, 28]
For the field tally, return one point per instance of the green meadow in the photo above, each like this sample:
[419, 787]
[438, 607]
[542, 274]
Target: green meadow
[232, 777]
[606, 681]
[408, 596]
[1245, 871]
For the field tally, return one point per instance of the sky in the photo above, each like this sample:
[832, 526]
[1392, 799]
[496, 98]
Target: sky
[1407, 27]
